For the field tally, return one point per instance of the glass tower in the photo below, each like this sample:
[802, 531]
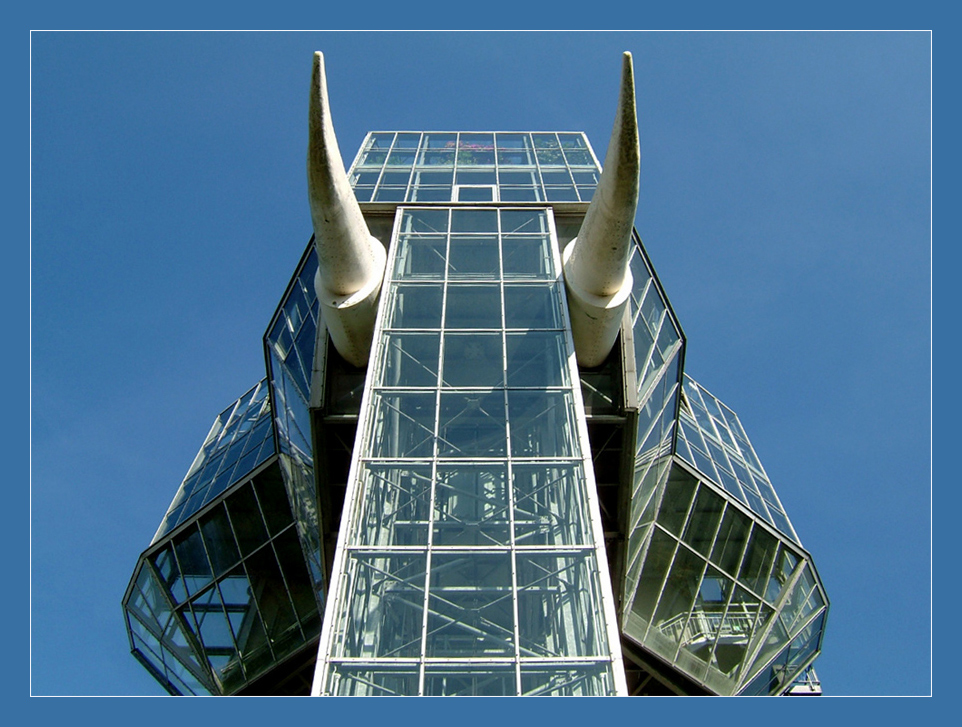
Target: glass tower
[473, 512]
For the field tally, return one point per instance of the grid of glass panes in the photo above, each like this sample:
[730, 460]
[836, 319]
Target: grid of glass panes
[721, 596]
[475, 167]
[711, 438]
[226, 597]
[657, 345]
[471, 560]
[290, 348]
[239, 440]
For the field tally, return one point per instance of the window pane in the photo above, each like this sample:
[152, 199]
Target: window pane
[410, 359]
[531, 306]
[474, 256]
[402, 425]
[416, 306]
[396, 503]
[527, 256]
[473, 306]
[473, 360]
[537, 358]
[470, 607]
[549, 507]
[471, 506]
[482, 220]
[542, 424]
[472, 425]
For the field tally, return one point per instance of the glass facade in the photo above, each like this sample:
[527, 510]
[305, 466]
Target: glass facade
[475, 553]
[470, 561]
[228, 595]
[475, 167]
[239, 440]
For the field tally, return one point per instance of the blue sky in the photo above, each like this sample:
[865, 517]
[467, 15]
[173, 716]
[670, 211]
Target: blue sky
[785, 204]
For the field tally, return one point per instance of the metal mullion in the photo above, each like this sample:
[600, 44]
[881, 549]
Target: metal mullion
[434, 458]
[510, 471]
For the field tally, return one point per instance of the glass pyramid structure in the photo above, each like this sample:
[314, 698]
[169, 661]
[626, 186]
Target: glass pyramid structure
[466, 506]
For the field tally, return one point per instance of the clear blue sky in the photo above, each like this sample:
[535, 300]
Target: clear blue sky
[785, 203]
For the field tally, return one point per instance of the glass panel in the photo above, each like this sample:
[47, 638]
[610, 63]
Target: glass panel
[421, 257]
[416, 306]
[211, 624]
[677, 599]
[727, 552]
[430, 194]
[473, 306]
[542, 424]
[526, 221]
[476, 680]
[549, 506]
[219, 539]
[704, 518]
[193, 559]
[410, 359]
[381, 140]
[471, 506]
[527, 256]
[471, 612]
[239, 604]
[273, 602]
[735, 631]
[425, 220]
[705, 623]
[437, 158]
[472, 425]
[170, 574]
[473, 359]
[440, 141]
[531, 306]
[402, 425]
[383, 607]
[246, 518]
[474, 220]
[433, 178]
[396, 503]
[676, 500]
[758, 560]
[556, 612]
[407, 141]
[294, 568]
[349, 680]
[537, 359]
[657, 559]
[475, 194]
[272, 496]
[520, 194]
[474, 257]
[476, 176]
[513, 141]
[401, 158]
[785, 564]
[581, 681]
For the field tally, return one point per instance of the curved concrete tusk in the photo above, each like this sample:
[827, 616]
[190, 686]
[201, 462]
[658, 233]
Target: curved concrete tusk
[350, 261]
[597, 277]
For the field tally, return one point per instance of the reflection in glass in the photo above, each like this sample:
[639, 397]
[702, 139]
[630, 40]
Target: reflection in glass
[472, 359]
[410, 359]
[531, 306]
[473, 306]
